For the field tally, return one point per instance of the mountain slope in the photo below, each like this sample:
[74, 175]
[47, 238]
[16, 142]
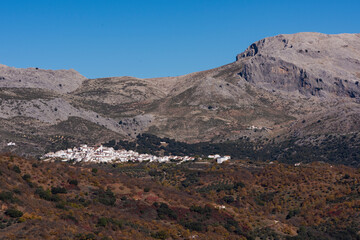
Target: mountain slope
[241, 200]
[301, 85]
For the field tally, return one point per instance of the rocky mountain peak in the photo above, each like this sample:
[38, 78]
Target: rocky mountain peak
[311, 63]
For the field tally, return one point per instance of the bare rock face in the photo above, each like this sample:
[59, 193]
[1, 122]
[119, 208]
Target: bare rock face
[61, 81]
[311, 63]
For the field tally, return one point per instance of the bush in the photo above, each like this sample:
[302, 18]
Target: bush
[17, 191]
[26, 177]
[14, 213]
[201, 210]
[30, 184]
[102, 222]
[56, 190]
[16, 169]
[228, 199]
[146, 189]
[123, 198]
[160, 235]
[60, 205]
[231, 224]
[239, 184]
[46, 195]
[292, 213]
[107, 197]
[82, 236]
[154, 173]
[164, 211]
[70, 217]
[194, 226]
[7, 197]
[73, 182]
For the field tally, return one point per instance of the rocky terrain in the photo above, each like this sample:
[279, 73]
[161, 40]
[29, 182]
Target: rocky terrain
[303, 87]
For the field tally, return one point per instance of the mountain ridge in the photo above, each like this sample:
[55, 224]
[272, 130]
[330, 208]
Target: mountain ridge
[294, 85]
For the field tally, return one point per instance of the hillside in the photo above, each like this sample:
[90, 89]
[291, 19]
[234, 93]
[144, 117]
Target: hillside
[301, 88]
[202, 200]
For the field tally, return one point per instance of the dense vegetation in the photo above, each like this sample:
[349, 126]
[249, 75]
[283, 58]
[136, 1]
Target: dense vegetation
[328, 148]
[203, 200]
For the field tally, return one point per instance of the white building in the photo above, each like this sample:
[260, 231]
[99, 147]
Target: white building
[219, 159]
[214, 156]
[104, 154]
[223, 159]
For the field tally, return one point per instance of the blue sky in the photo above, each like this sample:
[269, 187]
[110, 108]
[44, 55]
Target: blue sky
[154, 38]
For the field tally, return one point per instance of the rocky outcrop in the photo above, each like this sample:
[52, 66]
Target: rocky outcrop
[61, 81]
[310, 63]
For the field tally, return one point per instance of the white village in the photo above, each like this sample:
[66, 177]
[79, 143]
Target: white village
[103, 154]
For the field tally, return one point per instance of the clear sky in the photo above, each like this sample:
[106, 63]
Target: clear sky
[154, 38]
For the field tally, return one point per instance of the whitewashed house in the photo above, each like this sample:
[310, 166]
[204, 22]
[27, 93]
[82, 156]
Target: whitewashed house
[222, 159]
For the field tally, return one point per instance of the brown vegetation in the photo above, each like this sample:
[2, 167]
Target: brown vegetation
[236, 200]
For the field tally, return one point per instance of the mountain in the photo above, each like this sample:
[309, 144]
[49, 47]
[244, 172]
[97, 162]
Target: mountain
[303, 88]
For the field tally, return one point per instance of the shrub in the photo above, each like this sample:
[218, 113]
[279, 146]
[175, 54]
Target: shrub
[73, 182]
[154, 173]
[82, 236]
[26, 177]
[46, 195]
[14, 213]
[231, 224]
[228, 199]
[70, 217]
[17, 191]
[146, 189]
[164, 211]
[30, 184]
[56, 190]
[123, 198]
[16, 169]
[292, 213]
[160, 235]
[94, 170]
[107, 197]
[239, 184]
[60, 205]
[102, 222]
[201, 210]
[194, 226]
[111, 143]
[7, 197]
